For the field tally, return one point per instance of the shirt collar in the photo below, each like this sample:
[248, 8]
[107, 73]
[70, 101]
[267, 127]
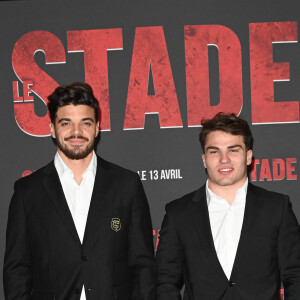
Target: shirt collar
[63, 169]
[241, 192]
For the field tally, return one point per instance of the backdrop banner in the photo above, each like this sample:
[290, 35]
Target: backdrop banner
[157, 68]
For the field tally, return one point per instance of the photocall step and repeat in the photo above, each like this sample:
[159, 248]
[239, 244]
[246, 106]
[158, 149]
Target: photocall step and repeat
[157, 68]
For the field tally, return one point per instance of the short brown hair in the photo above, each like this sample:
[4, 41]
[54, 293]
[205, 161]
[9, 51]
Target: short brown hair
[77, 93]
[229, 123]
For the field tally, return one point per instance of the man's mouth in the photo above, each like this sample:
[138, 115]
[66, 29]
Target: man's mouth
[76, 139]
[225, 171]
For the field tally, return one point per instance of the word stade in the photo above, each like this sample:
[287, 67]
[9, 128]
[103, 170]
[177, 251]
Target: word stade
[150, 56]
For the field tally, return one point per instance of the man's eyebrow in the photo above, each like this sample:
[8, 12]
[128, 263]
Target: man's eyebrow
[229, 147]
[235, 146]
[88, 119]
[212, 148]
[63, 119]
[68, 120]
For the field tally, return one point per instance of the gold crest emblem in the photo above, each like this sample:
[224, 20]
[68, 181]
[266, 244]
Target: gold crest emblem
[115, 224]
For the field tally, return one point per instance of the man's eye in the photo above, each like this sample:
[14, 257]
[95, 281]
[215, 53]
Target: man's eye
[64, 124]
[234, 150]
[87, 124]
[213, 152]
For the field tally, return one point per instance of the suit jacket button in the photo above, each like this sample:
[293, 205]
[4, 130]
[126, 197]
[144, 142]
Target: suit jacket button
[85, 258]
[230, 283]
[77, 291]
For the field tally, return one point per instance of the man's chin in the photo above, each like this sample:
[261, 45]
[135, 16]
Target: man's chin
[225, 182]
[77, 155]
[231, 182]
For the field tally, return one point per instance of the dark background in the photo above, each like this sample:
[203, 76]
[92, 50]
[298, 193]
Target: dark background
[152, 148]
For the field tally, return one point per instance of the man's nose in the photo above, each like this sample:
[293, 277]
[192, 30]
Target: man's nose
[224, 158]
[76, 129]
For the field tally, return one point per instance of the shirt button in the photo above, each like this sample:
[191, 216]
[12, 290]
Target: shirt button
[231, 284]
[85, 258]
[77, 291]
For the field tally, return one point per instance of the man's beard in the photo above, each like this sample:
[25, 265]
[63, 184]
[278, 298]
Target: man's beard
[75, 152]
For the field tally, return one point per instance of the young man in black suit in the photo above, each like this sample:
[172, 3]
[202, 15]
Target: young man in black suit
[80, 227]
[229, 239]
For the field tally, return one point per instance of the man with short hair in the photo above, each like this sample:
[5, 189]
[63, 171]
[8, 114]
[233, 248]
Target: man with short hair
[229, 239]
[80, 227]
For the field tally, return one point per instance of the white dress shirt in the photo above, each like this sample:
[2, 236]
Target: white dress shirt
[78, 196]
[226, 223]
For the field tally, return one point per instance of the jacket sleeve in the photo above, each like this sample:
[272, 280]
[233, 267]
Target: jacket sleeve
[17, 264]
[289, 252]
[169, 261]
[141, 252]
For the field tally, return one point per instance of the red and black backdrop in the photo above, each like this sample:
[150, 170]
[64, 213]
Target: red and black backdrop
[157, 68]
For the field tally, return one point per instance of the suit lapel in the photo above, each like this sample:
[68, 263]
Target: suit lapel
[54, 188]
[100, 199]
[252, 209]
[199, 211]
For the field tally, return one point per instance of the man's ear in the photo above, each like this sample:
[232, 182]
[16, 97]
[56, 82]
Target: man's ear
[249, 157]
[97, 128]
[52, 130]
[203, 159]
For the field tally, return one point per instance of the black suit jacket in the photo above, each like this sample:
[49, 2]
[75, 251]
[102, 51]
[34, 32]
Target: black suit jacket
[268, 251]
[44, 257]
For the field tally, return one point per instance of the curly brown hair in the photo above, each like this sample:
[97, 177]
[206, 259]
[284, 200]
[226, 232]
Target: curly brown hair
[77, 93]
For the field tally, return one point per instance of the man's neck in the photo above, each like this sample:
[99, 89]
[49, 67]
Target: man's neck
[77, 166]
[226, 192]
